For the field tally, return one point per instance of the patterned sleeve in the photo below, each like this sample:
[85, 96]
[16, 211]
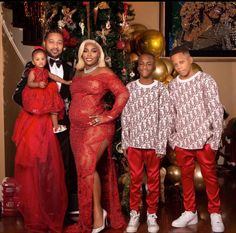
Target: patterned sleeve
[125, 124]
[120, 92]
[164, 120]
[172, 117]
[214, 110]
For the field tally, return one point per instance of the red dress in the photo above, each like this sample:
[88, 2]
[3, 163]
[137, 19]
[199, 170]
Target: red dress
[87, 99]
[39, 172]
[42, 100]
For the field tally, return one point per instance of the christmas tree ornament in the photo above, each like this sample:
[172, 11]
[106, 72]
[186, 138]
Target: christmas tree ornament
[95, 14]
[132, 74]
[108, 60]
[120, 44]
[133, 57]
[82, 26]
[124, 71]
[108, 24]
[103, 5]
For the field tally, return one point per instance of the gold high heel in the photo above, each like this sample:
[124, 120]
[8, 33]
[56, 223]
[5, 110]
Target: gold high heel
[104, 216]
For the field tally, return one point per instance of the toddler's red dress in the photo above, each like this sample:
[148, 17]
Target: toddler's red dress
[42, 100]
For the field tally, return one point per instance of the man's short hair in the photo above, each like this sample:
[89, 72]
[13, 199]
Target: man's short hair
[53, 30]
[179, 49]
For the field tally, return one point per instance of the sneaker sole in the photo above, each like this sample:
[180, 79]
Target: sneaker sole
[133, 231]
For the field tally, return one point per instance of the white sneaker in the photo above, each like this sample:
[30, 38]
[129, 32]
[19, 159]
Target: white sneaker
[217, 224]
[133, 222]
[186, 218]
[152, 223]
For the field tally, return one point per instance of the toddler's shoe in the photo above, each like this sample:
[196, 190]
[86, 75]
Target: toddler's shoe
[60, 129]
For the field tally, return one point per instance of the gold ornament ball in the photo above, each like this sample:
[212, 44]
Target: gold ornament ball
[174, 174]
[168, 64]
[150, 41]
[133, 57]
[160, 71]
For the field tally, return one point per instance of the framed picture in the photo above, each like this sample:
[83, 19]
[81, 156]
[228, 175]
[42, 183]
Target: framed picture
[208, 29]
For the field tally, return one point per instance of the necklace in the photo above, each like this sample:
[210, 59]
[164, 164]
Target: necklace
[87, 71]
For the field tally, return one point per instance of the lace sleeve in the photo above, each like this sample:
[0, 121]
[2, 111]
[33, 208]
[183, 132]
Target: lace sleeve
[120, 92]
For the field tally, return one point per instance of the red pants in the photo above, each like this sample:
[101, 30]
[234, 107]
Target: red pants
[136, 159]
[206, 159]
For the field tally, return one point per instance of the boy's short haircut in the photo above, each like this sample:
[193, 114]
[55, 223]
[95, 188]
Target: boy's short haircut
[149, 54]
[179, 49]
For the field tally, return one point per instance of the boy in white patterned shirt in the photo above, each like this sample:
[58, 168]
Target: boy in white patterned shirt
[144, 123]
[197, 123]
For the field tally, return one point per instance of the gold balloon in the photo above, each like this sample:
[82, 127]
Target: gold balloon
[171, 157]
[138, 27]
[174, 174]
[128, 47]
[199, 183]
[168, 79]
[133, 57]
[161, 71]
[168, 64]
[196, 67]
[133, 41]
[151, 41]
[174, 73]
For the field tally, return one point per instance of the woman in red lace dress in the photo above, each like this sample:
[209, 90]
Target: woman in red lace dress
[92, 130]
[39, 170]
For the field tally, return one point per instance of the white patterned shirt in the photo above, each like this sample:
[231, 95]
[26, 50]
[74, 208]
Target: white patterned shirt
[145, 119]
[196, 112]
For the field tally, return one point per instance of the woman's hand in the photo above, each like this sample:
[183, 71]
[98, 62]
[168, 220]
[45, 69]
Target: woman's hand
[68, 82]
[97, 120]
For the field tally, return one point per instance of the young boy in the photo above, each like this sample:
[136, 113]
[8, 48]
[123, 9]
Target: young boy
[197, 119]
[144, 124]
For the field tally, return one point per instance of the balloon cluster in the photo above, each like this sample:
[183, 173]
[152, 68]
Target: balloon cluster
[174, 173]
[152, 41]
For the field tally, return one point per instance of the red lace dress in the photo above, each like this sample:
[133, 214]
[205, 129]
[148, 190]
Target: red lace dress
[87, 99]
[39, 172]
[42, 100]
